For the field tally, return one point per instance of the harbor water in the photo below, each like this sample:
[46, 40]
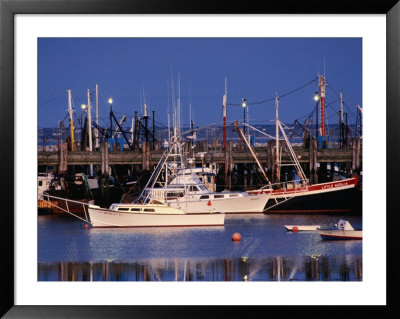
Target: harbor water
[67, 251]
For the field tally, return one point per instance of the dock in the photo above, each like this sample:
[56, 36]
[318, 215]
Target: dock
[213, 152]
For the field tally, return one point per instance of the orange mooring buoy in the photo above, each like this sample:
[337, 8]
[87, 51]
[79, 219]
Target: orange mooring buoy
[86, 226]
[236, 237]
[295, 229]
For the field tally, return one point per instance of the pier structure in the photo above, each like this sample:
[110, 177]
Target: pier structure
[235, 159]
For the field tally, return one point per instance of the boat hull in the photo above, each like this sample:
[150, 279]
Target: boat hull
[341, 234]
[332, 197]
[100, 217]
[238, 205]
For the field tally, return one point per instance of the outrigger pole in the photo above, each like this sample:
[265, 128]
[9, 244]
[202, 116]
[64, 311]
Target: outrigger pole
[251, 150]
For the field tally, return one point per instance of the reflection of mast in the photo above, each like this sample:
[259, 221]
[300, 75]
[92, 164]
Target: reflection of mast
[71, 121]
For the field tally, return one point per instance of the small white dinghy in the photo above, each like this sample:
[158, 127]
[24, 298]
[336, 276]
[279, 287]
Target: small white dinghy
[344, 232]
[296, 228]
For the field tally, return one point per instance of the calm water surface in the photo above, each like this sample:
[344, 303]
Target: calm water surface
[69, 252]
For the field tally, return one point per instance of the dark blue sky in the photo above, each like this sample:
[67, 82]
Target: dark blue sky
[255, 69]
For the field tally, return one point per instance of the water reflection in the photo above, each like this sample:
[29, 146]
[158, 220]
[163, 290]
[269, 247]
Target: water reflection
[308, 268]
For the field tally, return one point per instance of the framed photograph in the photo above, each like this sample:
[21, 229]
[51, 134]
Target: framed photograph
[37, 38]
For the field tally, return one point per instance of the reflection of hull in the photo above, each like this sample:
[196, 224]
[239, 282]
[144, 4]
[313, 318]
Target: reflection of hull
[246, 204]
[332, 197]
[163, 216]
[341, 234]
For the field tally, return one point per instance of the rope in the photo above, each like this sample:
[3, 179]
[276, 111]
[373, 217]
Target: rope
[280, 96]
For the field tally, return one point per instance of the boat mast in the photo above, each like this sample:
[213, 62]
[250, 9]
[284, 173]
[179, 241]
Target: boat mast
[224, 101]
[277, 137]
[97, 116]
[71, 121]
[322, 104]
[90, 128]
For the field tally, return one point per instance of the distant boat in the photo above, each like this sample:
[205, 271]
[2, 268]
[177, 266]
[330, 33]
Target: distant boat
[344, 232]
[302, 227]
[44, 183]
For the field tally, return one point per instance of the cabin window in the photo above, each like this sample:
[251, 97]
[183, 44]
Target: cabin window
[193, 188]
[174, 195]
[135, 209]
[233, 195]
[150, 210]
[123, 209]
[40, 183]
[218, 196]
[202, 187]
[204, 197]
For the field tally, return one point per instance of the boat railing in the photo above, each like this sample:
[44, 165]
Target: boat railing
[288, 187]
[66, 205]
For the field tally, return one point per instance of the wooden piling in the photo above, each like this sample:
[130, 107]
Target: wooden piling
[63, 164]
[356, 155]
[228, 165]
[146, 156]
[313, 161]
[104, 158]
[271, 158]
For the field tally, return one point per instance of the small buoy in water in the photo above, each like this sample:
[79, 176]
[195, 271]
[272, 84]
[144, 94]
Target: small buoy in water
[295, 229]
[209, 203]
[86, 226]
[236, 237]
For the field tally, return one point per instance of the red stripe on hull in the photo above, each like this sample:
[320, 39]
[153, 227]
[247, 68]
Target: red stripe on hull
[331, 186]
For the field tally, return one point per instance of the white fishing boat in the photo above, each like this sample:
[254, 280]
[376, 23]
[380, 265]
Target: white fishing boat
[194, 197]
[182, 189]
[149, 215]
[302, 227]
[151, 209]
[344, 231]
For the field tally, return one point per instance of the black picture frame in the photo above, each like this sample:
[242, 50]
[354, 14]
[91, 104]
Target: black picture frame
[8, 10]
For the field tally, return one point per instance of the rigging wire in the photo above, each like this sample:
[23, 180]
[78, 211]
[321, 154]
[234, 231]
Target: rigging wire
[348, 108]
[52, 99]
[280, 96]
